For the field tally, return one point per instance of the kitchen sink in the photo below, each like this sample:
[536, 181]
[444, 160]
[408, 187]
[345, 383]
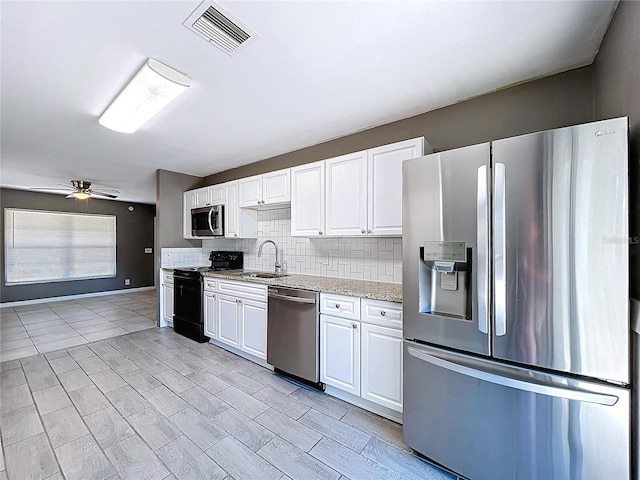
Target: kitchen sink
[262, 274]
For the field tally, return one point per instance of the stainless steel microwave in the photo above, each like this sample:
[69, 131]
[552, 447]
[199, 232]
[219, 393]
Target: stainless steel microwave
[207, 221]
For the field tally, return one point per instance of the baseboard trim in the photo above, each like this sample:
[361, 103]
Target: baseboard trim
[74, 297]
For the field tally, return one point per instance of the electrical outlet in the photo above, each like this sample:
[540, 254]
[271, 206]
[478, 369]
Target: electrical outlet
[148, 250]
[127, 281]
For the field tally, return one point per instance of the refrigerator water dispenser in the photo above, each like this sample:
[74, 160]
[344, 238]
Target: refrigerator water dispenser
[445, 279]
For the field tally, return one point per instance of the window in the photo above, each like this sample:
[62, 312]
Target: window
[52, 246]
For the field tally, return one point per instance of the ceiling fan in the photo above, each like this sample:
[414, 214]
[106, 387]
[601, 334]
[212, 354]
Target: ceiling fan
[81, 189]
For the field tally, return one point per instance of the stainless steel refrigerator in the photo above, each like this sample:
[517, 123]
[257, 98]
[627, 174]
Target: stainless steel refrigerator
[516, 306]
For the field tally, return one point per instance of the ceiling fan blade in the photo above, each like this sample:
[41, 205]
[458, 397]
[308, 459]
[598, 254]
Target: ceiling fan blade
[54, 189]
[103, 194]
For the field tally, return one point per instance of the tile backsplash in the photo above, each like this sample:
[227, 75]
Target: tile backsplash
[183, 257]
[368, 258]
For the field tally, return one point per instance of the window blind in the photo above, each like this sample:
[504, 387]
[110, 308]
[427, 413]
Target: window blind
[45, 246]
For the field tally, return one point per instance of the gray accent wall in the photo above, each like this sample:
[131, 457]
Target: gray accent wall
[170, 187]
[617, 94]
[551, 102]
[134, 232]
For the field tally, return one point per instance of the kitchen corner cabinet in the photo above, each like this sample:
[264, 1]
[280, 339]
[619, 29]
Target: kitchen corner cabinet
[239, 222]
[308, 200]
[361, 348]
[267, 189]
[364, 190]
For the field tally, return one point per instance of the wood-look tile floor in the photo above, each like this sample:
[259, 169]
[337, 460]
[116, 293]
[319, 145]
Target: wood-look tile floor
[155, 405]
[45, 327]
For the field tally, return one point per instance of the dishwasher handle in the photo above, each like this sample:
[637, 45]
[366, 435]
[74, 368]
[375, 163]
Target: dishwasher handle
[292, 299]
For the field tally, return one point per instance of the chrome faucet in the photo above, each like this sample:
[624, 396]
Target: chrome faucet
[280, 266]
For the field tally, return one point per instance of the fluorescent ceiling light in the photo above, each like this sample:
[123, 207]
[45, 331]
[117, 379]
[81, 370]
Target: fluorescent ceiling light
[149, 91]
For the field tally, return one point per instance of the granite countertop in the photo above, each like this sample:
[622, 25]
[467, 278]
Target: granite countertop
[390, 292]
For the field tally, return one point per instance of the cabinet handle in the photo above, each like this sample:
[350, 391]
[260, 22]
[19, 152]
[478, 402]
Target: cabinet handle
[235, 234]
[337, 305]
[363, 231]
[383, 313]
[320, 233]
[368, 231]
[354, 325]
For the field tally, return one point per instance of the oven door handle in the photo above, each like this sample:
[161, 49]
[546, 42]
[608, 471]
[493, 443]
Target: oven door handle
[292, 299]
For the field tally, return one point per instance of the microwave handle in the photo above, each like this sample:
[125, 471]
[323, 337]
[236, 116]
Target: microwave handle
[209, 220]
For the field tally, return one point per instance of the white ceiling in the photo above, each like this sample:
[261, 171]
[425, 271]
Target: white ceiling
[319, 70]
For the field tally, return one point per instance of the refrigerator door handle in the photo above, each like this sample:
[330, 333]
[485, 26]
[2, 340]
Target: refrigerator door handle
[499, 251]
[551, 388]
[483, 250]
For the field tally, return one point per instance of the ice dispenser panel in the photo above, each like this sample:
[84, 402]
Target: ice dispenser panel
[445, 279]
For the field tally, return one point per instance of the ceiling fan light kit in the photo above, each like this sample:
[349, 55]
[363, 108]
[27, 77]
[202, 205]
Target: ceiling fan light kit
[152, 88]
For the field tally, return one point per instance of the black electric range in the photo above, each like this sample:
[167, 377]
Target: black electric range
[188, 319]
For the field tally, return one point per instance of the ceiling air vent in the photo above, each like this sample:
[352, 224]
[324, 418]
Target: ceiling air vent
[219, 27]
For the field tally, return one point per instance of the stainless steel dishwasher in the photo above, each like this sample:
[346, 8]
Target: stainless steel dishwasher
[293, 332]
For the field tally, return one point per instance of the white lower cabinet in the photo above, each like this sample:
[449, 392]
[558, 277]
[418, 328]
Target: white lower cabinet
[167, 303]
[209, 307]
[361, 348]
[254, 328]
[241, 315]
[228, 320]
[382, 365]
[166, 298]
[340, 353]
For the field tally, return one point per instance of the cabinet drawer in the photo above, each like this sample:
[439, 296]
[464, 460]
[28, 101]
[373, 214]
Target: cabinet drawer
[250, 291]
[340, 306]
[167, 276]
[385, 314]
[210, 284]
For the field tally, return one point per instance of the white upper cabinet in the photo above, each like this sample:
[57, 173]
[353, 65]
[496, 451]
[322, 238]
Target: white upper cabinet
[308, 200]
[364, 190]
[346, 191]
[384, 181]
[267, 189]
[207, 196]
[239, 222]
[189, 202]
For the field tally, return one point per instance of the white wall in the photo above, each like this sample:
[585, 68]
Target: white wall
[377, 259]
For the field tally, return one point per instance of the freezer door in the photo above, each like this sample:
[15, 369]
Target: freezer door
[446, 206]
[560, 250]
[490, 421]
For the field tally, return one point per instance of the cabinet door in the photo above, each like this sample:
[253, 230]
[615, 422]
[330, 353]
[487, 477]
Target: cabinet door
[346, 192]
[254, 328]
[384, 171]
[189, 202]
[276, 187]
[382, 365]
[209, 312]
[217, 195]
[227, 313]
[167, 303]
[250, 191]
[340, 353]
[231, 211]
[307, 200]
[202, 197]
